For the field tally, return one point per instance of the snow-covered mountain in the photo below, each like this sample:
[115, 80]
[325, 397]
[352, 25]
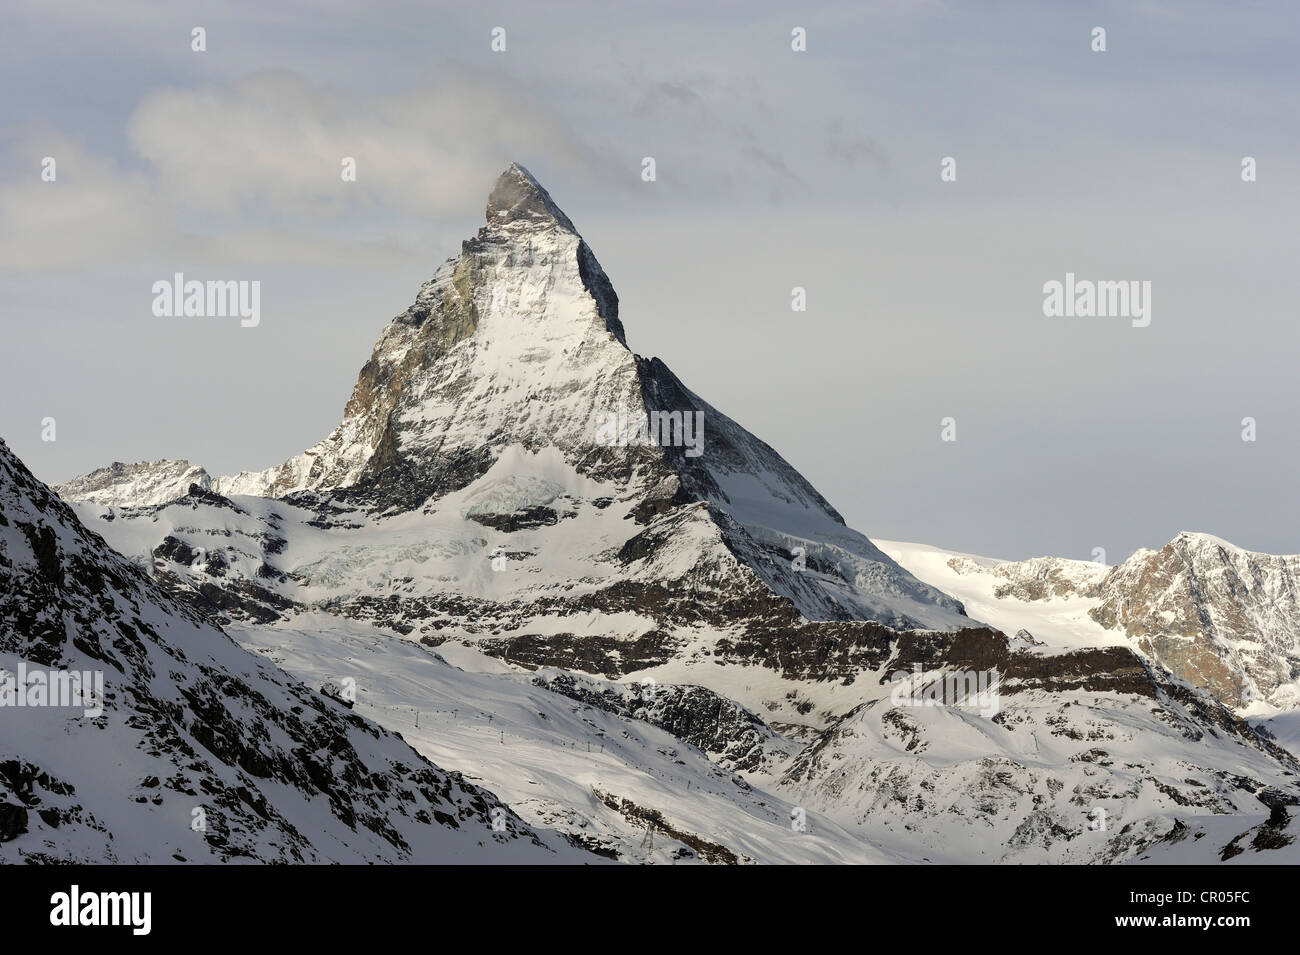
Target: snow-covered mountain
[197, 750]
[500, 476]
[554, 568]
[136, 485]
[168, 742]
[1213, 614]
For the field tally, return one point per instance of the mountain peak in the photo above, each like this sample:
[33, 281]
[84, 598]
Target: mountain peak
[141, 484]
[519, 197]
[1197, 538]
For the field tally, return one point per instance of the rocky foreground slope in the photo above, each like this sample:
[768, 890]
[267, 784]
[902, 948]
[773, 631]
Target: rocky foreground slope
[174, 744]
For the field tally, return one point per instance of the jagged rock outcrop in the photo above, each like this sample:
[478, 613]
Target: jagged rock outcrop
[1216, 615]
[736, 738]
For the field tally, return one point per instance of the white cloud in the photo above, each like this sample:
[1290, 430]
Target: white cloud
[273, 141]
[256, 166]
[91, 207]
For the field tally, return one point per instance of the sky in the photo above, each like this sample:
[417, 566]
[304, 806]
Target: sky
[775, 168]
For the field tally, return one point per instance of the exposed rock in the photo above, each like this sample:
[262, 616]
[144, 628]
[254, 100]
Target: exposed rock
[1217, 616]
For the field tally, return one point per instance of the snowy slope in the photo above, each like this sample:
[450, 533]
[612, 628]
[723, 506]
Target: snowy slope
[585, 588]
[556, 759]
[1077, 731]
[192, 749]
[1050, 598]
[1087, 755]
[1037, 784]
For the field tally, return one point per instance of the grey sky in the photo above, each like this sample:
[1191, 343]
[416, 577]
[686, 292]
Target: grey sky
[775, 169]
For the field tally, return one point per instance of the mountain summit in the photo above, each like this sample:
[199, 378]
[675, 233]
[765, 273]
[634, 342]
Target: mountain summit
[1215, 614]
[518, 197]
[515, 341]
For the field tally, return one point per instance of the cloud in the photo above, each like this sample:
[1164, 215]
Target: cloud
[90, 208]
[275, 141]
[770, 161]
[674, 93]
[259, 161]
[854, 151]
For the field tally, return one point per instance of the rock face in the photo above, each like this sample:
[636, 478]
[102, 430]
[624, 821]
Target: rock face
[136, 485]
[1216, 615]
[184, 747]
[734, 737]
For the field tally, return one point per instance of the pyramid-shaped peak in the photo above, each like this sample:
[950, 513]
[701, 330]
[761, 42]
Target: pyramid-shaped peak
[519, 197]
